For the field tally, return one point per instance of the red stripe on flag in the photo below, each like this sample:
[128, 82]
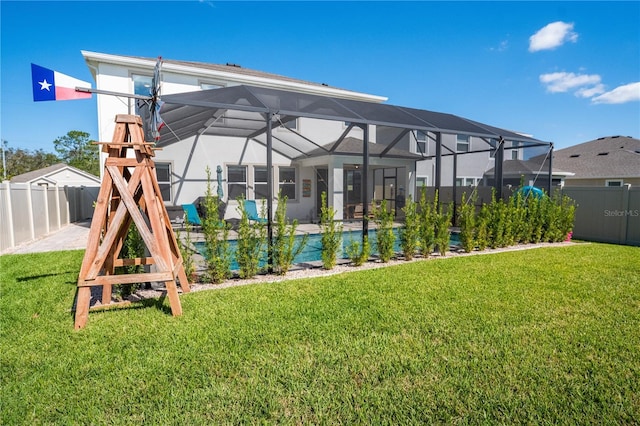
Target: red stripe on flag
[66, 93]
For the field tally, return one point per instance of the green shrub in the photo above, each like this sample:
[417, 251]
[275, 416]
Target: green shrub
[518, 213]
[442, 220]
[216, 234]
[535, 214]
[467, 222]
[427, 224]
[384, 235]
[283, 246]
[357, 253]
[331, 234]
[185, 244]
[410, 232]
[132, 248]
[251, 244]
[482, 228]
[567, 215]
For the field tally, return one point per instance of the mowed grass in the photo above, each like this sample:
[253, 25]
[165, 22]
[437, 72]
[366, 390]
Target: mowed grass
[540, 336]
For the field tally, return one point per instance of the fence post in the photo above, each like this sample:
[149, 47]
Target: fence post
[45, 194]
[32, 227]
[625, 207]
[57, 189]
[12, 234]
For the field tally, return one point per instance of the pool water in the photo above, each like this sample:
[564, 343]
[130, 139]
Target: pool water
[312, 251]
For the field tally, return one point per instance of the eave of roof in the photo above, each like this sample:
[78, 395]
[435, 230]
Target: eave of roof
[233, 73]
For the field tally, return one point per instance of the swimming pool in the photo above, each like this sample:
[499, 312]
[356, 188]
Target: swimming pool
[312, 251]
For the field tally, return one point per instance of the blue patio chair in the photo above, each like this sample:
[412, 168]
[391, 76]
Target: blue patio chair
[191, 214]
[252, 211]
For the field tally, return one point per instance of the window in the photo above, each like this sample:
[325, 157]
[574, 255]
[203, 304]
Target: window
[291, 124]
[142, 84]
[260, 187]
[163, 172]
[209, 86]
[515, 152]
[421, 142]
[287, 182]
[463, 144]
[236, 181]
[467, 181]
[422, 181]
[494, 148]
[614, 183]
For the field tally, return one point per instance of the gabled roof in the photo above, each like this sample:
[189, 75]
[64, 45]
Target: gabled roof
[46, 172]
[528, 167]
[229, 74]
[607, 157]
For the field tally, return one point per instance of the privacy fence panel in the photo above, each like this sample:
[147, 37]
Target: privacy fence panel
[28, 212]
[63, 206]
[633, 225]
[52, 210]
[610, 215]
[38, 217]
[20, 213]
[5, 222]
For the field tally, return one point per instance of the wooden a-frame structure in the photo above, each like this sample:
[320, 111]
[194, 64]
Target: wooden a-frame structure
[129, 194]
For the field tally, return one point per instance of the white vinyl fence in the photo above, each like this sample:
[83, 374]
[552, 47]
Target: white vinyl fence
[28, 212]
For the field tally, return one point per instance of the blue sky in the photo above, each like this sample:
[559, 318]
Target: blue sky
[565, 72]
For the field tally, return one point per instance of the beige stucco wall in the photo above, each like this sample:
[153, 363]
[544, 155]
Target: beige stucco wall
[635, 182]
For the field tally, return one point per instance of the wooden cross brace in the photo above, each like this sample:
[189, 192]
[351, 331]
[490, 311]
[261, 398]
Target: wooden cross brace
[127, 197]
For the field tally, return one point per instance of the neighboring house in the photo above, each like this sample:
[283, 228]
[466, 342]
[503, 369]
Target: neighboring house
[316, 133]
[534, 172]
[474, 157]
[606, 161]
[58, 175]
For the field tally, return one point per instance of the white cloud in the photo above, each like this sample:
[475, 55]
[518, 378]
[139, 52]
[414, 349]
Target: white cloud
[558, 82]
[551, 36]
[588, 92]
[621, 94]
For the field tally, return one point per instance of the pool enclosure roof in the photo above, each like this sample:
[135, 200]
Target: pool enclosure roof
[242, 111]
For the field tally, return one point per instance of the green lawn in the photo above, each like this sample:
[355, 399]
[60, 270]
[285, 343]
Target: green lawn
[540, 336]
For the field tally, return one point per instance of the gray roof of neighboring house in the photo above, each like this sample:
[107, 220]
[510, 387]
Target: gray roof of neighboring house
[46, 171]
[353, 146]
[612, 156]
[527, 167]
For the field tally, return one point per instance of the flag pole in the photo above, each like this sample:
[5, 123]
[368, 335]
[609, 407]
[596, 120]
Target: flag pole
[106, 92]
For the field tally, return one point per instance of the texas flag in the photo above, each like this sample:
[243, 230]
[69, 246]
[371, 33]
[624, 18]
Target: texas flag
[49, 85]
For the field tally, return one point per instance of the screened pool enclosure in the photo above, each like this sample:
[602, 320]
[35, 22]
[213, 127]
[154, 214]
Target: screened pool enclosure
[254, 114]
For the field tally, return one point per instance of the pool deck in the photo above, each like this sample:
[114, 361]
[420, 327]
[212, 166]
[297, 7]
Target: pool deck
[74, 237]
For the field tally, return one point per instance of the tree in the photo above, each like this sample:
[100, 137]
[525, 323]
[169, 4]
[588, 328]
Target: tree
[76, 150]
[19, 161]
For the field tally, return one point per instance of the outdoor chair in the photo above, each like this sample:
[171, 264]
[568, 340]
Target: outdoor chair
[358, 211]
[191, 214]
[252, 211]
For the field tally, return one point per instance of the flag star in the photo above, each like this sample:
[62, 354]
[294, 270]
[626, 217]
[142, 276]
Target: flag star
[44, 85]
